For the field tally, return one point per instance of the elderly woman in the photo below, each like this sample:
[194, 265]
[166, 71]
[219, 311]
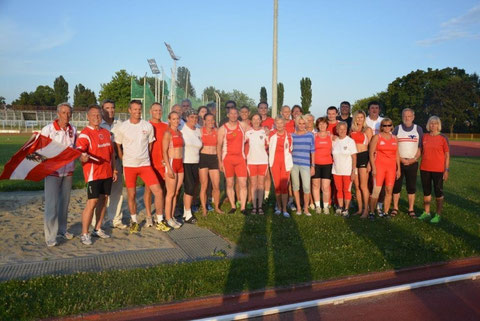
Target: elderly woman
[385, 162]
[303, 153]
[323, 166]
[361, 134]
[344, 167]
[434, 167]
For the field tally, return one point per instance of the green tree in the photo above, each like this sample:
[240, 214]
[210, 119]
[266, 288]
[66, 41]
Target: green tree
[280, 94]
[43, 96]
[83, 97]
[362, 104]
[306, 94]
[60, 86]
[117, 89]
[263, 95]
[24, 99]
[2, 101]
[182, 73]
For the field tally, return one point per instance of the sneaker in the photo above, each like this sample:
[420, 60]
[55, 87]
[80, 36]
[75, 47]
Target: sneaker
[381, 214]
[292, 206]
[299, 213]
[338, 211]
[86, 239]
[177, 221]
[345, 213]
[191, 220]
[134, 227]
[371, 216]
[425, 216]
[318, 210]
[307, 213]
[278, 212]
[326, 210]
[120, 226]
[160, 226]
[149, 221]
[66, 235]
[285, 214]
[101, 234]
[173, 224]
[435, 219]
[312, 206]
[52, 243]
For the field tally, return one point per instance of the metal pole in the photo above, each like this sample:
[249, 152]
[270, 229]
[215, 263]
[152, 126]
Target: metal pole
[163, 92]
[274, 67]
[144, 94]
[186, 85]
[217, 115]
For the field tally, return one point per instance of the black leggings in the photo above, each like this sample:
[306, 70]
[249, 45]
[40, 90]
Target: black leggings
[410, 173]
[427, 178]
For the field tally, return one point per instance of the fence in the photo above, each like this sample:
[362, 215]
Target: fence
[456, 136]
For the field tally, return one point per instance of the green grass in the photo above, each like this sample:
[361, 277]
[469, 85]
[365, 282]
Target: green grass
[280, 252]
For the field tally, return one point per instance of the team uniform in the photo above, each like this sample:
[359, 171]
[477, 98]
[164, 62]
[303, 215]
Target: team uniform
[193, 143]
[332, 128]
[433, 163]
[290, 126]
[97, 171]
[386, 161]
[342, 151]
[409, 140]
[233, 156]
[323, 157]
[135, 139]
[209, 161]
[156, 154]
[268, 122]
[361, 138]
[176, 142]
[280, 160]
[257, 157]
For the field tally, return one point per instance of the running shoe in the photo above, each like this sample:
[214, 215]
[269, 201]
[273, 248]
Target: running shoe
[292, 206]
[338, 211]
[435, 220]
[381, 214]
[120, 226]
[345, 213]
[371, 216]
[160, 226]
[177, 221]
[149, 221]
[100, 233]
[134, 227]
[318, 210]
[191, 220]
[312, 206]
[299, 213]
[425, 216]
[52, 243]
[173, 224]
[278, 212]
[285, 214]
[326, 210]
[65, 236]
[86, 239]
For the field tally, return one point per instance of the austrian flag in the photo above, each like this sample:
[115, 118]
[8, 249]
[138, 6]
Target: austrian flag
[38, 158]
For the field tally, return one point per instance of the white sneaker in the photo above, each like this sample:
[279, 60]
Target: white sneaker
[149, 222]
[51, 243]
[285, 214]
[318, 210]
[278, 212]
[338, 211]
[172, 223]
[326, 210]
[66, 236]
[120, 226]
[86, 239]
[299, 213]
[292, 206]
[176, 221]
[307, 213]
[312, 206]
[101, 234]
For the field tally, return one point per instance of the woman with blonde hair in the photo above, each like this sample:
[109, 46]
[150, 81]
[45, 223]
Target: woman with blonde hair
[434, 167]
[361, 134]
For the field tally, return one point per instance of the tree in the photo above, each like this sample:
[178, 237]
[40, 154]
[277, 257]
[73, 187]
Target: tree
[24, 99]
[362, 104]
[2, 100]
[306, 92]
[280, 94]
[182, 73]
[83, 97]
[60, 86]
[43, 96]
[263, 95]
[117, 89]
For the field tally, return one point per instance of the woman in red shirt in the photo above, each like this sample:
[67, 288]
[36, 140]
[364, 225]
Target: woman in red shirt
[323, 166]
[434, 167]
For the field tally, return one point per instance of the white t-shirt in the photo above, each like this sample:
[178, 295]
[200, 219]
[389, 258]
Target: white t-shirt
[135, 139]
[193, 144]
[374, 124]
[257, 153]
[342, 151]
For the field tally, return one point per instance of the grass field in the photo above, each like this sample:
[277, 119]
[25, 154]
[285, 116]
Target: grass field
[280, 252]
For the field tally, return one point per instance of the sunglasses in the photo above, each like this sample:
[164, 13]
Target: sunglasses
[388, 125]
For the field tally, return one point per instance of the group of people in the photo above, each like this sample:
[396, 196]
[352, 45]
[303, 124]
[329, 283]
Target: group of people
[312, 164]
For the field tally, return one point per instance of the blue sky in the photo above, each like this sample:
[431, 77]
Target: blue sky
[349, 49]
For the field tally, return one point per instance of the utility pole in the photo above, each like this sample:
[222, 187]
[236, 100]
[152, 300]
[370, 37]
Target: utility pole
[174, 71]
[274, 65]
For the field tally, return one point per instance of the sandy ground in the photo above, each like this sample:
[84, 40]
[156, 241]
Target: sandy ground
[22, 238]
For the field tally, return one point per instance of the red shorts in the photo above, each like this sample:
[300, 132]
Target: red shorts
[386, 174]
[257, 170]
[177, 165]
[235, 165]
[146, 173]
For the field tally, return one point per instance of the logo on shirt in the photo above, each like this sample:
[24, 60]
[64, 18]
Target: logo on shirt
[344, 147]
[100, 136]
[412, 136]
[382, 142]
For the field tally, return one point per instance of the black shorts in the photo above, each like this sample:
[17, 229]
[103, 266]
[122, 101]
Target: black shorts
[209, 161]
[410, 173]
[99, 187]
[362, 159]
[323, 171]
[191, 178]
[427, 179]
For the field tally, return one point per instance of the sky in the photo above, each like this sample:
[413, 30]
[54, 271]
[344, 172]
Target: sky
[349, 49]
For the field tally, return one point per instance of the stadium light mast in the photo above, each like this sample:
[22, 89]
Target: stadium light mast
[274, 64]
[174, 72]
[154, 68]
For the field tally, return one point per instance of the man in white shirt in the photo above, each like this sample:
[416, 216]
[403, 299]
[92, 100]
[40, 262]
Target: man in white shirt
[374, 118]
[134, 139]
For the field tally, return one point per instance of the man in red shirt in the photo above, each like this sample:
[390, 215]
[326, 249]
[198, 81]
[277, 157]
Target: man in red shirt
[156, 156]
[262, 108]
[289, 123]
[332, 113]
[99, 171]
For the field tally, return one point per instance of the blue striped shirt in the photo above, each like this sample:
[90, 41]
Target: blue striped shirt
[303, 146]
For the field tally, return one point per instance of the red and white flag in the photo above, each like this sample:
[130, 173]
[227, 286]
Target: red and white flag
[38, 158]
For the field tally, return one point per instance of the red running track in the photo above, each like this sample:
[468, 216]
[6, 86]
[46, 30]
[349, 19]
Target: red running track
[464, 148]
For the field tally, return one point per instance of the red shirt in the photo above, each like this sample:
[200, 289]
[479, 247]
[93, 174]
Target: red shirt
[332, 128]
[209, 139]
[386, 151]
[323, 150]
[157, 148]
[268, 122]
[97, 143]
[290, 126]
[433, 153]
[233, 143]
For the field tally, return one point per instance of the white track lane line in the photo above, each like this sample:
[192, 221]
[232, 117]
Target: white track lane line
[341, 298]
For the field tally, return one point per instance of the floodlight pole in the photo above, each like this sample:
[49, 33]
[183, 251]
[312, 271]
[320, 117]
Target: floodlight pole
[274, 67]
[163, 92]
[174, 71]
[217, 108]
